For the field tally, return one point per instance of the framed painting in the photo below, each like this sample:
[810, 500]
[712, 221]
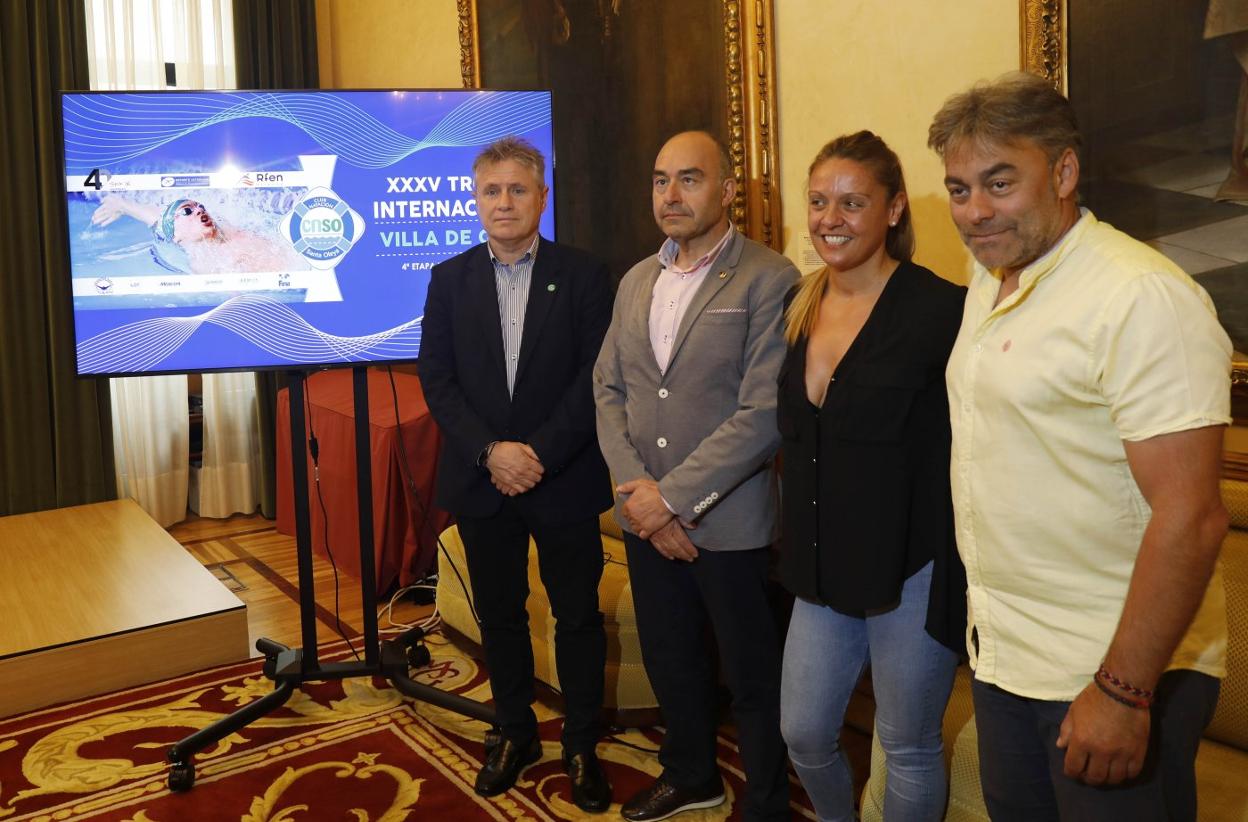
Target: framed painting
[625, 76]
[1161, 92]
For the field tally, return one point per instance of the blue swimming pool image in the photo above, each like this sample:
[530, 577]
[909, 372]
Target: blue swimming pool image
[130, 247]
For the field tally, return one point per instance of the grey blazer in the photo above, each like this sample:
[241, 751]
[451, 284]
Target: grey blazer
[706, 430]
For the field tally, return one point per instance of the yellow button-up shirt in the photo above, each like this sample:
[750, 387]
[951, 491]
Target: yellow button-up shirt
[1105, 340]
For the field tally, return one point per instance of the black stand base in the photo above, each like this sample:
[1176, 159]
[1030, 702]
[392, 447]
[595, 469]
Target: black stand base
[283, 666]
[289, 668]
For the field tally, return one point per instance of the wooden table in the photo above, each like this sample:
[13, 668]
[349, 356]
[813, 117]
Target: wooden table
[100, 597]
[404, 462]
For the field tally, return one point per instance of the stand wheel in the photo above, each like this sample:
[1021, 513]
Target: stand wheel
[418, 657]
[181, 777]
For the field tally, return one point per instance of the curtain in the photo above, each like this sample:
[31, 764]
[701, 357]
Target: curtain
[124, 46]
[151, 435]
[55, 433]
[275, 48]
[129, 43]
[151, 428]
[206, 55]
[229, 480]
[275, 44]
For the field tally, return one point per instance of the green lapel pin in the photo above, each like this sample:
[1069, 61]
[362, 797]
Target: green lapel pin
[550, 286]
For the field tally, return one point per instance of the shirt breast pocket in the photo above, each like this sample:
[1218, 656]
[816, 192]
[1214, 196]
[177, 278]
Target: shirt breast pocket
[874, 405]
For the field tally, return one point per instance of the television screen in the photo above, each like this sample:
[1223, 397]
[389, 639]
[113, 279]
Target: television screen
[213, 231]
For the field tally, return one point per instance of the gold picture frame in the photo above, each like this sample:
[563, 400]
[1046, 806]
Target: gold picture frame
[749, 78]
[1042, 40]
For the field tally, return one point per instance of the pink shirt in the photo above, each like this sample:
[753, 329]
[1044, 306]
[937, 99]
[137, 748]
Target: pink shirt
[673, 291]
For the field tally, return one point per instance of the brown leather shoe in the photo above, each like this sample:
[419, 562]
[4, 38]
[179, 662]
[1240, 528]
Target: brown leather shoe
[504, 764]
[591, 792]
[661, 800]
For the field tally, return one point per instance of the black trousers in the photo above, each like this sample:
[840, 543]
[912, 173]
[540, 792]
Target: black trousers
[570, 561]
[1020, 765]
[676, 602]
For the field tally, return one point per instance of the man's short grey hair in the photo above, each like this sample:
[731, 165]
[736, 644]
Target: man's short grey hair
[725, 160]
[514, 148]
[1014, 107]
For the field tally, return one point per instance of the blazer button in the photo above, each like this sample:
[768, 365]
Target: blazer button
[663, 392]
[662, 442]
[714, 496]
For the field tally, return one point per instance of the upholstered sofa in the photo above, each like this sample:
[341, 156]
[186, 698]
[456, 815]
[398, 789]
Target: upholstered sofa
[628, 692]
[1222, 763]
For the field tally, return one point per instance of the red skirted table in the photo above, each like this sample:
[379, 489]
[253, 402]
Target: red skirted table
[406, 524]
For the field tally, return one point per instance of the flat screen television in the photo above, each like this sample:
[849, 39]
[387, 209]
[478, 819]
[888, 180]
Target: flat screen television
[217, 231]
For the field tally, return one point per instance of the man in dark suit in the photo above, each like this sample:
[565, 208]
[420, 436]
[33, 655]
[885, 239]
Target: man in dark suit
[686, 392]
[510, 333]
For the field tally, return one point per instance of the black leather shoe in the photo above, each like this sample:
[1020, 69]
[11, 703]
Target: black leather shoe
[504, 764]
[661, 800]
[590, 790]
[492, 737]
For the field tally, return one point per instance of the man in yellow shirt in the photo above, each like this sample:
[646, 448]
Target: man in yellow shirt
[1088, 391]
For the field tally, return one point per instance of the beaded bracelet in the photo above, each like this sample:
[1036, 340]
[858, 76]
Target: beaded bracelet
[1101, 673]
[1140, 705]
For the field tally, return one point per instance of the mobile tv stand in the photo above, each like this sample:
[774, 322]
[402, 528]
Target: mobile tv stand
[289, 668]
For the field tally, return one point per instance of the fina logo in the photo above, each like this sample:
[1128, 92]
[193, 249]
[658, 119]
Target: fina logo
[322, 227]
[103, 285]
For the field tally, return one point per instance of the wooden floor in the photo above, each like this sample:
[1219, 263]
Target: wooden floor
[259, 565]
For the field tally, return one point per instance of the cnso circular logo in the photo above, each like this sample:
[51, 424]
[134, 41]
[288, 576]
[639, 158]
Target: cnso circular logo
[322, 227]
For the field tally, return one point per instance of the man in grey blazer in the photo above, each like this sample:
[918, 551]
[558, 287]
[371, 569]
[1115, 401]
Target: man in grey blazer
[685, 387]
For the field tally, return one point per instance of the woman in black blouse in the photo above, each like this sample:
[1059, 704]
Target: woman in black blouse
[868, 524]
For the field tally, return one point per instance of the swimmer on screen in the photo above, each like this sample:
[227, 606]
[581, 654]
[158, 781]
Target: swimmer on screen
[209, 247]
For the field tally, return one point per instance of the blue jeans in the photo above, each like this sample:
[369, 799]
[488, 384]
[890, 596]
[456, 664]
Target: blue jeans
[911, 674]
[1021, 767]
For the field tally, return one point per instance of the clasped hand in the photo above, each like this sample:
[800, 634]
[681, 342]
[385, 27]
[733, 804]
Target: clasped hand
[1105, 742]
[651, 519]
[644, 509]
[514, 467]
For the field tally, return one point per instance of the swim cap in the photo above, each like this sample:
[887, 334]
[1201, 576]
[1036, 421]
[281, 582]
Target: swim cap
[164, 226]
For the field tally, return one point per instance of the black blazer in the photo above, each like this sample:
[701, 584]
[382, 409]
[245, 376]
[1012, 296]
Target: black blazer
[866, 499]
[552, 407]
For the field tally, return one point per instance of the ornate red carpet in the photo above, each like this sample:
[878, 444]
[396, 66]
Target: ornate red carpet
[355, 750]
